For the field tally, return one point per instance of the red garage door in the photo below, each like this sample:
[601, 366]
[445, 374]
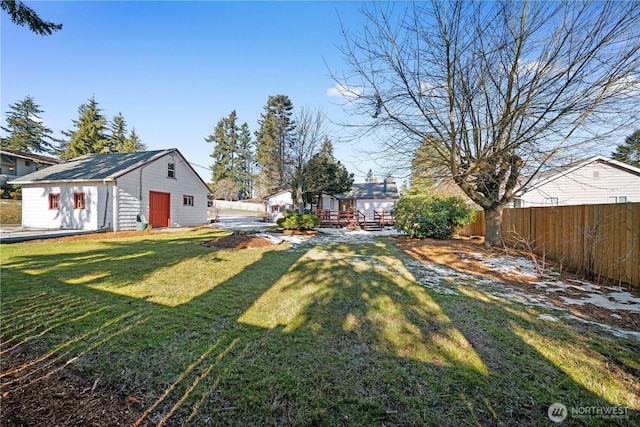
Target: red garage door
[159, 209]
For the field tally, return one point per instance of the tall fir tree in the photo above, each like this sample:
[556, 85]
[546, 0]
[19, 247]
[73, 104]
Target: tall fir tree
[275, 126]
[233, 155]
[247, 162]
[89, 135]
[118, 136]
[225, 138]
[629, 151]
[26, 129]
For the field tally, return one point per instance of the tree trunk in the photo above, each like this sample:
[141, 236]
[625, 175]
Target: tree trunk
[493, 226]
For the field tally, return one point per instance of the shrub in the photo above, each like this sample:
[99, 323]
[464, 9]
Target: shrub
[293, 221]
[432, 216]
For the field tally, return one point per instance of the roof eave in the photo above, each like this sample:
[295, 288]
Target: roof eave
[57, 182]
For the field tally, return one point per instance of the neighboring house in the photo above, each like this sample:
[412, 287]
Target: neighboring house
[98, 191]
[369, 199]
[595, 180]
[16, 163]
[277, 203]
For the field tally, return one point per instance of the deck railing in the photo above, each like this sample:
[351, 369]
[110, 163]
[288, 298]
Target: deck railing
[340, 217]
[383, 218]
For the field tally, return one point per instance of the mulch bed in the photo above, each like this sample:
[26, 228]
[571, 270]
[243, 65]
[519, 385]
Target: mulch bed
[458, 254]
[238, 241]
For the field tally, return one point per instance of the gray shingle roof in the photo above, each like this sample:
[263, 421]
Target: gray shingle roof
[373, 190]
[93, 167]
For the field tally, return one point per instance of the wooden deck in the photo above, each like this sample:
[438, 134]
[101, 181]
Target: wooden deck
[344, 218]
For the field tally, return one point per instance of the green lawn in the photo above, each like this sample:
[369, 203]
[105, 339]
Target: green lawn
[10, 212]
[335, 335]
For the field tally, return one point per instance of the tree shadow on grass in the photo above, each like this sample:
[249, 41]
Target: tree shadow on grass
[341, 335]
[544, 359]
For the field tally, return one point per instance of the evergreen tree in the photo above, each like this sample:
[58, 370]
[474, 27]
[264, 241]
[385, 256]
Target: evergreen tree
[118, 136]
[23, 15]
[371, 177]
[424, 170]
[246, 163]
[225, 138]
[133, 144]
[275, 127]
[89, 135]
[233, 155]
[629, 151]
[26, 128]
[324, 174]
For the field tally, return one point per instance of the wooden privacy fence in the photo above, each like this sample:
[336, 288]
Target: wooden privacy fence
[595, 240]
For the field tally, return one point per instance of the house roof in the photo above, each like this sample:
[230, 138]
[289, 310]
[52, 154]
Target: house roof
[36, 158]
[373, 190]
[552, 174]
[97, 167]
[277, 193]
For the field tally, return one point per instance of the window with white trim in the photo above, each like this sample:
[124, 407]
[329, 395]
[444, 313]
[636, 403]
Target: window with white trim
[187, 200]
[171, 170]
[551, 201]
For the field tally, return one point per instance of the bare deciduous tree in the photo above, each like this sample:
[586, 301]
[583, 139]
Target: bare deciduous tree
[304, 141]
[498, 89]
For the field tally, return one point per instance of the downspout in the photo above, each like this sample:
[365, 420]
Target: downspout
[106, 205]
[115, 206]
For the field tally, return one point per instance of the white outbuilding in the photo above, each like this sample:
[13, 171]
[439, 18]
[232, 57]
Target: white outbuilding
[121, 191]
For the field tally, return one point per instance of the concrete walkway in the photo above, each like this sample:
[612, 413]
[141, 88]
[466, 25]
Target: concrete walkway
[15, 233]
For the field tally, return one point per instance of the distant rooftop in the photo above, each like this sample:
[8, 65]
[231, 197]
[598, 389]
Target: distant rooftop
[373, 190]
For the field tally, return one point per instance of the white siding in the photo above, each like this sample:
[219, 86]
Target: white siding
[36, 212]
[367, 206]
[329, 202]
[593, 183]
[279, 199]
[154, 177]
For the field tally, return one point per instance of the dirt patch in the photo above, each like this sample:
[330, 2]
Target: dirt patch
[36, 392]
[471, 256]
[239, 241]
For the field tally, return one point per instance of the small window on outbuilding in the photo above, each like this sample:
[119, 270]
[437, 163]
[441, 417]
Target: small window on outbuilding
[78, 201]
[54, 201]
[618, 199]
[187, 200]
[551, 201]
[171, 170]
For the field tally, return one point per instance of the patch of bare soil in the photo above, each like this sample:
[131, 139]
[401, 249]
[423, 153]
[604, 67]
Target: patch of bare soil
[239, 241]
[461, 255]
[35, 392]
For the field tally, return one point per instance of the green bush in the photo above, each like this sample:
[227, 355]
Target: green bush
[432, 216]
[294, 221]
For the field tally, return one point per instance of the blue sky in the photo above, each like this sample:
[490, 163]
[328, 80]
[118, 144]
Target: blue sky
[173, 69]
